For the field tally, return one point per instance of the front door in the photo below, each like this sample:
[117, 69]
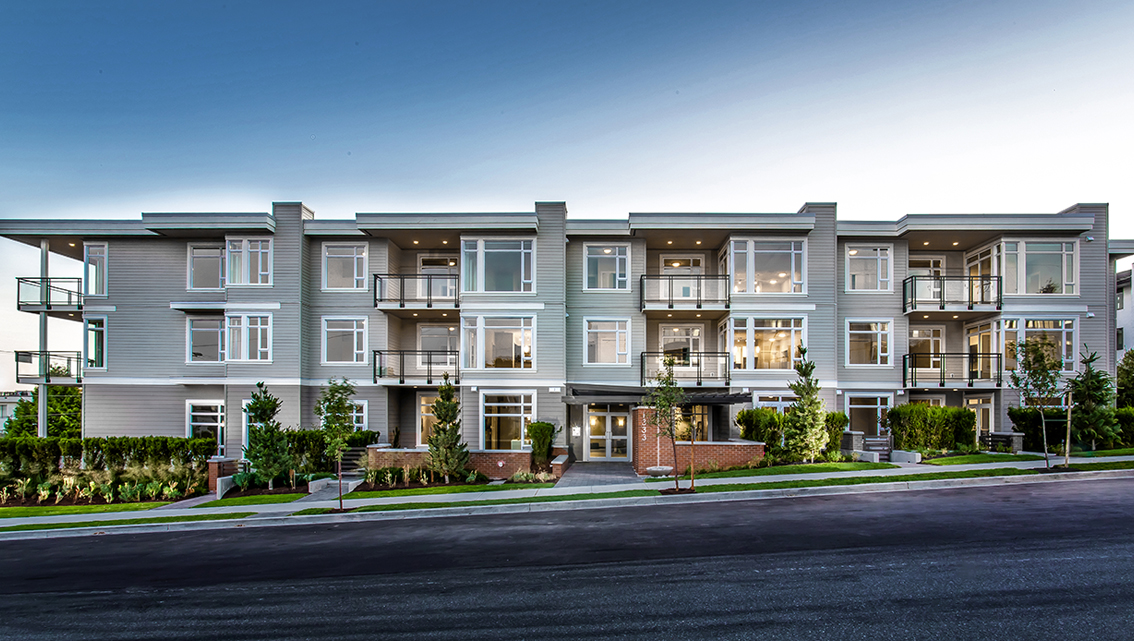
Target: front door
[982, 407]
[608, 429]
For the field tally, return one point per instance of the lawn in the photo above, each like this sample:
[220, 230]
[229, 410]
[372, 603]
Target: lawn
[56, 510]
[455, 489]
[255, 499]
[152, 520]
[862, 480]
[807, 468]
[313, 511]
[528, 499]
[1112, 465]
[969, 459]
[1126, 451]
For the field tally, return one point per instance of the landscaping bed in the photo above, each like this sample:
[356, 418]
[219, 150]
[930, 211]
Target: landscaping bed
[963, 458]
[784, 468]
[379, 490]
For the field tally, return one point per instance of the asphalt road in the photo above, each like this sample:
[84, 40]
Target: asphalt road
[1023, 562]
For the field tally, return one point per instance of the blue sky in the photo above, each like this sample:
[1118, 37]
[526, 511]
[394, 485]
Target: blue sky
[108, 109]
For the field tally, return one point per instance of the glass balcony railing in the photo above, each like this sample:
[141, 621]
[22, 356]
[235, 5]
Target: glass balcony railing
[417, 289]
[60, 368]
[49, 293]
[685, 291]
[947, 370]
[923, 292]
[416, 364]
[700, 368]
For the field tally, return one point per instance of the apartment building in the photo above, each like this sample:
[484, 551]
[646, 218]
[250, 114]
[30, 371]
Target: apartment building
[537, 316]
[1124, 317]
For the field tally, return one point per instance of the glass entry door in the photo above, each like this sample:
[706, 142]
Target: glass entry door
[608, 432]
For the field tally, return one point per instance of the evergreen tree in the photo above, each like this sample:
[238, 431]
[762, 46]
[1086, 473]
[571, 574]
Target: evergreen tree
[1125, 380]
[1092, 392]
[448, 454]
[665, 399]
[1037, 377]
[805, 426]
[337, 411]
[267, 444]
[64, 412]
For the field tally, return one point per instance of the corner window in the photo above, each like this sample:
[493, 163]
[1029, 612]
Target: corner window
[497, 266]
[608, 342]
[344, 340]
[766, 343]
[205, 419]
[249, 261]
[206, 267]
[1061, 333]
[767, 267]
[868, 267]
[608, 267]
[95, 342]
[249, 337]
[206, 340]
[94, 269]
[868, 342]
[506, 418]
[344, 266]
[507, 342]
[1049, 268]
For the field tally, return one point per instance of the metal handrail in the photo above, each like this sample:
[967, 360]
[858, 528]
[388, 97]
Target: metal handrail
[68, 365]
[398, 283]
[392, 364]
[723, 295]
[701, 363]
[953, 289]
[976, 366]
[49, 291]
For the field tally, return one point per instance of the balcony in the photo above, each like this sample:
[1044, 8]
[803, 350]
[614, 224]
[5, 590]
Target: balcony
[932, 369]
[416, 366]
[696, 291]
[690, 368]
[49, 368]
[61, 297]
[951, 293]
[416, 291]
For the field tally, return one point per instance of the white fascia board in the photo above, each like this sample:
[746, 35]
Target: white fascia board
[730, 221]
[191, 306]
[503, 221]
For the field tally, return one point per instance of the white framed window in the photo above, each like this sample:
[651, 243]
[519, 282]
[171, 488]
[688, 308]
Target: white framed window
[865, 412]
[868, 341]
[607, 341]
[345, 266]
[205, 419]
[94, 342]
[498, 265]
[359, 415]
[249, 337]
[1061, 333]
[778, 402]
[932, 401]
[681, 342]
[206, 266]
[869, 268]
[764, 343]
[249, 261]
[505, 415]
[344, 340]
[94, 269]
[1030, 266]
[425, 418]
[501, 342]
[926, 346]
[440, 344]
[768, 266]
[607, 267]
[244, 424]
[205, 340]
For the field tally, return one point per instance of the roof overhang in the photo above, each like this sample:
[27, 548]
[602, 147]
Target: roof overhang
[208, 224]
[430, 230]
[1121, 248]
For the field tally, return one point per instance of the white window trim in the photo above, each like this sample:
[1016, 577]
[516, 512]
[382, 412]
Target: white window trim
[750, 336]
[663, 326]
[418, 441]
[105, 270]
[750, 275]
[365, 341]
[189, 340]
[421, 357]
[1022, 333]
[889, 342]
[910, 328]
[365, 406]
[246, 265]
[243, 356]
[629, 269]
[889, 264]
[86, 343]
[847, 396]
[189, 247]
[479, 354]
[680, 256]
[1022, 262]
[189, 403]
[523, 429]
[480, 240]
[928, 397]
[244, 425]
[587, 320]
[365, 266]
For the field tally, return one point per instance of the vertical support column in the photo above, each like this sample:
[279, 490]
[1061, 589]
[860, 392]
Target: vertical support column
[44, 362]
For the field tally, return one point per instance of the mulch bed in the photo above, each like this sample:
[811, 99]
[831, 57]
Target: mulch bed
[685, 490]
[34, 502]
[381, 487]
[257, 491]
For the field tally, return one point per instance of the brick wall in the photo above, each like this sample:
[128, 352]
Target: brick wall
[493, 464]
[651, 449]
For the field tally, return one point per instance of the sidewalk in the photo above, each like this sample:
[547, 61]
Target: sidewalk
[278, 512]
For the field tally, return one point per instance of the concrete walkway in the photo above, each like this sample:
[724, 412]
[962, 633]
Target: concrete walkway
[601, 479]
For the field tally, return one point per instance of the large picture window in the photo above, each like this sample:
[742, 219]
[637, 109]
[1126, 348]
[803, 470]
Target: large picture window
[344, 340]
[206, 340]
[249, 261]
[766, 343]
[344, 266]
[608, 267]
[498, 266]
[767, 267]
[506, 418]
[868, 267]
[868, 342]
[94, 269]
[608, 342]
[865, 413]
[507, 342]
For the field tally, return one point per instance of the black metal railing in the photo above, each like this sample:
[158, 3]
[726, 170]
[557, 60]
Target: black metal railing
[442, 289]
[49, 292]
[59, 367]
[702, 368]
[939, 291]
[685, 291]
[416, 363]
[941, 369]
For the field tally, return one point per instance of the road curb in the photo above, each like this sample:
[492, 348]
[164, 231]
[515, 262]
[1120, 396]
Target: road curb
[563, 506]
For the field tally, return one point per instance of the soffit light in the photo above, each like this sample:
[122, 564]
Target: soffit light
[954, 243]
[415, 242]
[698, 242]
[925, 243]
[854, 252]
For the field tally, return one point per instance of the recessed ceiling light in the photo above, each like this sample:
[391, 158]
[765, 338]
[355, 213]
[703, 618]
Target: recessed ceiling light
[415, 242]
[71, 244]
[671, 316]
[444, 242]
[954, 243]
[698, 316]
[773, 281]
[925, 316]
[782, 274]
[853, 252]
[925, 243]
[698, 242]
[444, 314]
[669, 242]
[954, 315]
[415, 313]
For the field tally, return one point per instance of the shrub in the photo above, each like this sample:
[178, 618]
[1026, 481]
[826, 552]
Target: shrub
[244, 480]
[836, 424]
[1125, 416]
[1027, 421]
[916, 426]
[542, 434]
[762, 424]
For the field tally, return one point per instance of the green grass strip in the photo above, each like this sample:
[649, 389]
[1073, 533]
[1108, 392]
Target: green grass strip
[1110, 465]
[527, 499]
[804, 468]
[258, 499]
[55, 510]
[313, 511]
[863, 480]
[156, 519]
[456, 489]
[969, 459]
[1127, 451]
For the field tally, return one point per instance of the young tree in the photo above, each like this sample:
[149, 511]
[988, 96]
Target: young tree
[1037, 378]
[665, 399]
[1125, 380]
[336, 410]
[448, 454]
[805, 426]
[1093, 394]
[64, 412]
[267, 444]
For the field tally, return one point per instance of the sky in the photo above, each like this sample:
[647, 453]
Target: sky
[109, 109]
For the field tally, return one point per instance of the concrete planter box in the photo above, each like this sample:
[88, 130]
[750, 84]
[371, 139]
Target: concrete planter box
[659, 470]
[902, 456]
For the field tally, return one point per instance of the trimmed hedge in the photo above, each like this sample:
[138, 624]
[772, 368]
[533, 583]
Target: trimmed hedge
[1125, 416]
[31, 455]
[836, 424]
[916, 426]
[310, 450]
[762, 424]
